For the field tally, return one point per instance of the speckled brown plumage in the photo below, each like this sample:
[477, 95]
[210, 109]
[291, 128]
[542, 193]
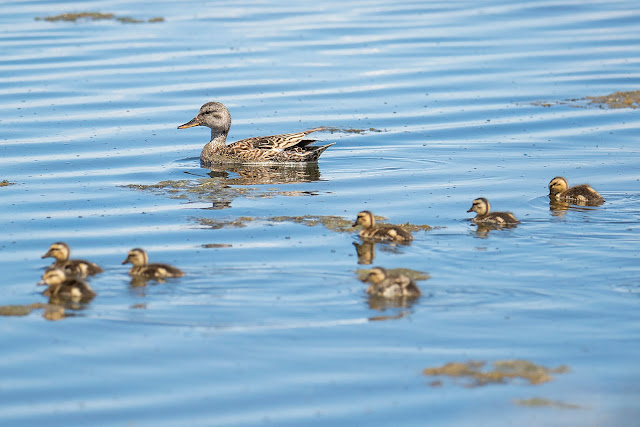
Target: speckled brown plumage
[390, 286]
[389, 232]
[141, 267]
[73, 267]
[283, 148]
[580, 194]
[62, 287]
[484, 215]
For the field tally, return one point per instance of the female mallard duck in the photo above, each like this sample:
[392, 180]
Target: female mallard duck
[141, 267]
[484, 216]
[61, 286]
[289, 147]
[390, 286]
[380, 232]
[75, 267]
[580, 194]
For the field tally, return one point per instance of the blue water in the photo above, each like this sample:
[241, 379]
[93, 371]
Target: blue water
[272, 326]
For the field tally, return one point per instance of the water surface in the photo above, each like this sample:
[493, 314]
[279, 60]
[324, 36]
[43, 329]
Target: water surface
[270, 324]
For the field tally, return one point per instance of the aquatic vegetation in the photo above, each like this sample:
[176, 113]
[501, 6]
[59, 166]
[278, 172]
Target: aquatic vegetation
[96, 16]
[51, 311]
[5, 183]
[503, 371]
[539, 402]
[352, 130]
[629, 99]
[234, 223]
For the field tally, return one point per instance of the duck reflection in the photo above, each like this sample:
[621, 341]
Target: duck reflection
[366, 250]
[256, 174]
[482, 231]
[559, 208]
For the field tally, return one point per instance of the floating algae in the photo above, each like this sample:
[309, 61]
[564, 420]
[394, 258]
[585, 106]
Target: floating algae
[96, 16]
[503, 370]
[621, 99]
[538, 402]
[5, 183]
[51, 311]
[352, 130]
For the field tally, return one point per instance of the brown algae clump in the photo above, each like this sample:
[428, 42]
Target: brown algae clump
[539, 402]
[51, 311]
[5, 183]
[503, 370]
[629, 99]
[96, 16]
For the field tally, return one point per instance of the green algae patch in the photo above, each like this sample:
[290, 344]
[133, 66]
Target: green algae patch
[540, 402]
[5, 183]
[411, 274]
[503, 371]
[51, 311]
[96, 16]
[331, 222]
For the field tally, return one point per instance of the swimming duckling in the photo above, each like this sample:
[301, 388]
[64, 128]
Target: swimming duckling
[380, 232]
[141, 267]
[61, 286]
[385, 285]
[579, 194]
[484, 216]
[74, 267]
[289, 147]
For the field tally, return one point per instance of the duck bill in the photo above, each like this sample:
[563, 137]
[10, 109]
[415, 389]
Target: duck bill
[470, 209]
[41, 283]
[125, 261]
[48, 254]
[192, 123]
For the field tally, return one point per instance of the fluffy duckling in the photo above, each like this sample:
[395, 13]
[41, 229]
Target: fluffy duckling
[73, 267]
[384, 285]
[61, 286]
[288, 147]
[380, 232]
[484, 216]
[580, 194]
[141, 267]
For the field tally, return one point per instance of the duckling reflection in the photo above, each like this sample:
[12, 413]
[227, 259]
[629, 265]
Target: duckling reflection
[141, 267]
[382, 232]
[581, 195]
[73, 267]
[366, 251]
[62, 288]
[484, 215]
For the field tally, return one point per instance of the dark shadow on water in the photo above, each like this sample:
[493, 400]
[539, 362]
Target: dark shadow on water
[248, 174]
[559, 208]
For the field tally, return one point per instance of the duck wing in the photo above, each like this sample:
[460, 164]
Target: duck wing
[274, 142]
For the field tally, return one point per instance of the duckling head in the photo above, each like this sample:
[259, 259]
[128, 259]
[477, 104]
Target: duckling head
[59, 250]
[213, 115]
[558, 185]
[365, 219]
[138, 257]
[376, 275]
[53, 277]
[480, 206]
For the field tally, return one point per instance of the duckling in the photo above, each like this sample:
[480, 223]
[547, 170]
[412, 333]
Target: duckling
[579, 194]
[380, 232]
[384, 285]
[484, 216]
[283, 148]
[61, 251]
[141, 267]
[63, 287]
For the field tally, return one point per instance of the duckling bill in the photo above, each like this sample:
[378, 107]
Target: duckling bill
[382, 232]
[583, 194]
[484, 215]
[141, 267]
[283, 148]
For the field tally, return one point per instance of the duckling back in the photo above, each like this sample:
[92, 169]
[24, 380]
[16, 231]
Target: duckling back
[386, 232]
